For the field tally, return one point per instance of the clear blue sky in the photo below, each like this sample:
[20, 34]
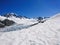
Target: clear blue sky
[30, 8]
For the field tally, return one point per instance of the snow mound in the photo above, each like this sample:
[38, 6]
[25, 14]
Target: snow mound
[47, 33]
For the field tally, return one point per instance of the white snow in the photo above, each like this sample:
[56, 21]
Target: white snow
[2, 18]
[24, 21]
[47, 33]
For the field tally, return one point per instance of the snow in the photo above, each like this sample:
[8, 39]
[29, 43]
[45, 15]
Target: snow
[47, 33]
[24, 21]
[2, 18]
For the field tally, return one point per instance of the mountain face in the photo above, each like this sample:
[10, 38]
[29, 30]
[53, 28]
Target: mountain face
[1, 25]
[6, 22]
[10, 18]
[24, 33]
[10, 14]
[14, 15]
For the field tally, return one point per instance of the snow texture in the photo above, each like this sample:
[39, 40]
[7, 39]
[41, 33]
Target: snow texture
[47, 33]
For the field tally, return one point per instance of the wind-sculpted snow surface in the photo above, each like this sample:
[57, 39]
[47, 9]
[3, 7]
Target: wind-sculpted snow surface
[47, 33]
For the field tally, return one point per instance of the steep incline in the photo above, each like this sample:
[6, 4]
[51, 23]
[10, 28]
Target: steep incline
[41, 34]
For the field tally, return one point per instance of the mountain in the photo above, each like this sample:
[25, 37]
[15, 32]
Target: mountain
[14, 15]
[47, 33]
[10, 14]
[11, 18]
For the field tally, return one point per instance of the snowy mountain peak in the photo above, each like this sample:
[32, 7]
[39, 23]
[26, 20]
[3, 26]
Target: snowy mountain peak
[14, 15]
[10, 14]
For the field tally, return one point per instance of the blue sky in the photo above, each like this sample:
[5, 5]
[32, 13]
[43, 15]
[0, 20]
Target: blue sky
[30, 8]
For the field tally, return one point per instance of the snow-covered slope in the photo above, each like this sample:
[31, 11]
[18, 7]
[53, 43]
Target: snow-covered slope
[24, 21]
[46, 33]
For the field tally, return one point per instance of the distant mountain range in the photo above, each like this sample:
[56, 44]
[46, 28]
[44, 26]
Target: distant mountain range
[11, 18]
[24, 31]
[15, 15]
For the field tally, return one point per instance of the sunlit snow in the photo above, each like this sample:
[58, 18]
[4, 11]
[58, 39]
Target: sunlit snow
[47, 33]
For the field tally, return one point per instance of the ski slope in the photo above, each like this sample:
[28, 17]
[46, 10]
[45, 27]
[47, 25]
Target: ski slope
[47, 33]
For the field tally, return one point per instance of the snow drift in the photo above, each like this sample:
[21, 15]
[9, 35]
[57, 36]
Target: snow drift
[46, 33]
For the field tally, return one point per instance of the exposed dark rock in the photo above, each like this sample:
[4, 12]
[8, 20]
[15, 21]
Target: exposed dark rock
[15, 15]
[40, 19]
[2, 25]
[0, 21]
[10, 14]
[8, 22]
